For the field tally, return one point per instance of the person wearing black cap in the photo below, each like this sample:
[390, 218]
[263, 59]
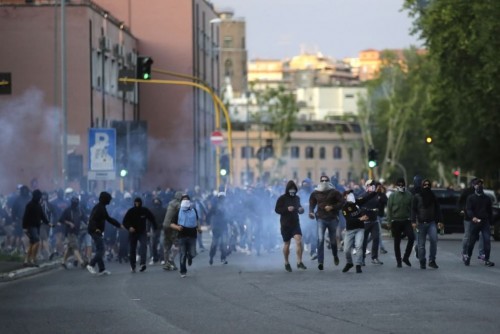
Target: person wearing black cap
[479, 208]
[98, 217]
[425, 214]
[135, 221]
[399, 216]
[467, 221]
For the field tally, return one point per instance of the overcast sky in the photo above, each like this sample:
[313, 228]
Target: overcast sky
[278, 29]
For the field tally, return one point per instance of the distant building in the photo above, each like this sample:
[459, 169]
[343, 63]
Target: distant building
[232, 53]
[265, 73]
[315, 149]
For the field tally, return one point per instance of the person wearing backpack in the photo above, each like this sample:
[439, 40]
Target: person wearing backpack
[186, 222]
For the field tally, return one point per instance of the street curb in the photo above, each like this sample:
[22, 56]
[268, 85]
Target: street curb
[26, 272]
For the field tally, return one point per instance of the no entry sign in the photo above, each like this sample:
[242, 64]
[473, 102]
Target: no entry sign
[216, 138]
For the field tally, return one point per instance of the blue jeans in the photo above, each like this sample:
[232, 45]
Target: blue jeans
[354, 239]
[465, 240]
[372, 229]
[99, 251]
[331, 225]
[187, 247]
[219, 239]
[424, 230]
[484, 228]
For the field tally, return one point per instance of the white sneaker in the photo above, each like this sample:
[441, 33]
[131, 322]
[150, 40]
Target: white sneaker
[91, 269]
[104, 273]
[162, 263]
[151, 262]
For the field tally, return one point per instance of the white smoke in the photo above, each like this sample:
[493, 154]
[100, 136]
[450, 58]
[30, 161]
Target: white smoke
[30, 132]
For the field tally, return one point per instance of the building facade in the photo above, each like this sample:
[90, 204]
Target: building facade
[35, 116]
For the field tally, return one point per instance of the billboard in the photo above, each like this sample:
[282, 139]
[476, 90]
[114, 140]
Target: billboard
[102, 154]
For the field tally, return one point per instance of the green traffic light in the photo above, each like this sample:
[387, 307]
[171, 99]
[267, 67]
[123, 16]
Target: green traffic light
[372, 164]
[146, 76]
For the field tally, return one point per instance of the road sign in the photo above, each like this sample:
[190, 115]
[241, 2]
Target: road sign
[216, 138]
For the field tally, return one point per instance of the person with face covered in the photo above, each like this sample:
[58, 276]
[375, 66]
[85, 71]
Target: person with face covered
[399, 216]
[187, 224]
[72, 218]
[288, 207]
[32, 218]
[309, 231]
[159, 212]
[98, 217]
[425, 215]
[479, 209]
[327, 201]
[462, 201]
[355, 229]
[136, 222]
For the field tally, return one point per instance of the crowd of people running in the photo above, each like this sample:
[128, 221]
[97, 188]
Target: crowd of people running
[163, 226]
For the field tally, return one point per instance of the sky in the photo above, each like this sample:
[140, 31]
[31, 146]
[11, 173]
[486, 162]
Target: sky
[279, 29]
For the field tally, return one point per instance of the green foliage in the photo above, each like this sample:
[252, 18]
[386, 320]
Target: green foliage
[463, 39]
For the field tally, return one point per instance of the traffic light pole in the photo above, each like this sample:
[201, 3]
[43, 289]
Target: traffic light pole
[217, 101]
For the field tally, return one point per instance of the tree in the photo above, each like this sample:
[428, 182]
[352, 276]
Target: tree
[390, 115]
[463, 40]
[279, 110]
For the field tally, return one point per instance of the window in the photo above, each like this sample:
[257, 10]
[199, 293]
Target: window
[350, 153]
[228, 68]
[322, 153]
[228, 42]
[294, 152]
[309, 152]
[337, 153]
[246, 152]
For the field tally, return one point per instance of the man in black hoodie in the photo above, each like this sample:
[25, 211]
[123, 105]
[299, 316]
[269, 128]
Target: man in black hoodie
[32, 218]
[135, 221]
[479, 209]
[425, 214]
[288, 207]
[467, 221]
[98, 217]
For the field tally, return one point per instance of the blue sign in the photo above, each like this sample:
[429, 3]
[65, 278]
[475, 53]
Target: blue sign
[102, 150]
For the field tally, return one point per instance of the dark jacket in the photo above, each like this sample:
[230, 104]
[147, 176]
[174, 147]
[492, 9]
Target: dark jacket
[219, 216]
[479, 206]
[33, 214]
[99, 215]
[463, 200]
[422, 212]
[320, 199]
[138, 216]
[74, 215]
[288, 219]
[369, 203]
[352, 212]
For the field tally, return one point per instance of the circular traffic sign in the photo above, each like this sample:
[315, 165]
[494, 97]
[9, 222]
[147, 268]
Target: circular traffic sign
[216, 138]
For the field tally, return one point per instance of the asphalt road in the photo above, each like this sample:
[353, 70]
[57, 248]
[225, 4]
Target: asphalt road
[256, 295]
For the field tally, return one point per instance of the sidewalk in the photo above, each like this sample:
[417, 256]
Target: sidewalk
[12, 270]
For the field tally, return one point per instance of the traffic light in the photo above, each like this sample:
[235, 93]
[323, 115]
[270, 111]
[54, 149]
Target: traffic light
[224, 165]
[456, 172]
[144, 68]
[372, 158]
[428, 140]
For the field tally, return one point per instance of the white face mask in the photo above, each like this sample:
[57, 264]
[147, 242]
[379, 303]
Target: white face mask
[400, 189]
[292, 192]
[185, 204]
[350, 198]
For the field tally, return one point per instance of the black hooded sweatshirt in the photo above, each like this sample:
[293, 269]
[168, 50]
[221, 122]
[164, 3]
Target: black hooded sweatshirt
[33, 214]
[138, 216]
[289, 219]
[99, 215]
